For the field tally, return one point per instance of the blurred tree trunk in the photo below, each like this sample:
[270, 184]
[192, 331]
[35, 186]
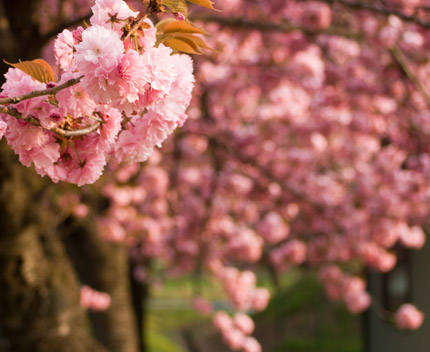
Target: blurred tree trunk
[104, 266]
[39, 292]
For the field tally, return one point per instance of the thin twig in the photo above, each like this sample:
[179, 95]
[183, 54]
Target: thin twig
[64, 25]
[401, 59]
[267, 26]
[377, 8]
[39, 93]
[76, 133]
[9, 110]
[34, 121]
[135, 27]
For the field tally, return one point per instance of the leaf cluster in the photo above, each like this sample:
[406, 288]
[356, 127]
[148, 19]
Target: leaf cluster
[182, 36]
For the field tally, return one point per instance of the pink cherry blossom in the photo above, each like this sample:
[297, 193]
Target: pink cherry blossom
[111, 14]
[408, 317]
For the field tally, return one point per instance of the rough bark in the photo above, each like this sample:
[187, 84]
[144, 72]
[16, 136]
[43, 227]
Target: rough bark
[104, 266]
[39, 292]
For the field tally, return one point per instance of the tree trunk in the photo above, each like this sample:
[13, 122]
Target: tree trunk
[104, 266]
[39, 293]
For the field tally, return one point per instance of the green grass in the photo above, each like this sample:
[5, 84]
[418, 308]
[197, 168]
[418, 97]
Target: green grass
[158, 341]
[307, 322]
[298, 319]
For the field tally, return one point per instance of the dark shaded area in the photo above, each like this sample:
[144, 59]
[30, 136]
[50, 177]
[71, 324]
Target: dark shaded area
[39, 300]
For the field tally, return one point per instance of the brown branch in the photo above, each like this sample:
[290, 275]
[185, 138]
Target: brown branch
[34, 121]
[76, 133]
[282, 27]
[377, 8]
[39, 93]
[9, 110]
[134, 28]
[64, 25]
[401, 59]
[231, 150]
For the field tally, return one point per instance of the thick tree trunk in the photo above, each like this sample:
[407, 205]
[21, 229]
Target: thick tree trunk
[104, 266]
[39, 293]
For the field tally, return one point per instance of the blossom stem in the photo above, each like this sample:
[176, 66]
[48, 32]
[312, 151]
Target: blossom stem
[135, 26]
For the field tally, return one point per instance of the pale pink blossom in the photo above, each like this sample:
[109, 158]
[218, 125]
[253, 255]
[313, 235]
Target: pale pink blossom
[408, 317]
[74, 100]
[234, 338]
[3, 127]
[94, 300]
[97, 58]
[111, 14]
[261, 299]
[251, 345]
[244, 323]
[162, 72]
[357, 300]
[222, 321]
[63, 49]
[273, 228]
[412, 237]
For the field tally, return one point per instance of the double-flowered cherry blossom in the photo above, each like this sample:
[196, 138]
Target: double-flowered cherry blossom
[128, 96]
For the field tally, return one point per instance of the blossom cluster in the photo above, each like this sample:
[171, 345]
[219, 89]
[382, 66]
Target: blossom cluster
[408, 317]
[130, 96]
[236, 331]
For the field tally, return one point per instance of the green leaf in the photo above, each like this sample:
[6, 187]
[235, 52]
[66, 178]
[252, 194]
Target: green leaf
[39, 69]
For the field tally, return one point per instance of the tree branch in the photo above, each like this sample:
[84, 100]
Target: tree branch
[39, 93]
[283, 27]
[135, 26]
[9, 110]
[401, 59]
[34, 121]
[63, 26]
[377, 8]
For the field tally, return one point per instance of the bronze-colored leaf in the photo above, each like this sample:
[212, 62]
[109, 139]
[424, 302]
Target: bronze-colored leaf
[39, 69]
[183, 45]
[181, 27]
[162, 24]
[177, 6]
[48, 67]
[204, 3]
[198, 40]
